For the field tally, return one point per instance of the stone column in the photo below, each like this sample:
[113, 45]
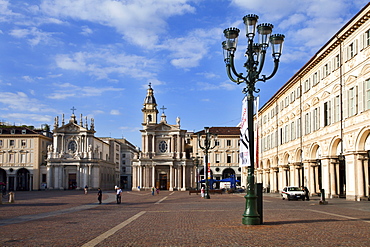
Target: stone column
[50, 184]
[179, 148]
[153, 176]
[78, 178]
[183, 177]
[171, 178]
[332, 176]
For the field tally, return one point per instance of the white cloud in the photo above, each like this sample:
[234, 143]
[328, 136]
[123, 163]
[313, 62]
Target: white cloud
[103, 62]
[115, 112]
[86, 31]
[212, 86]
[5, 12]
[21, 102]
[26, 117]
[189, 50]
[33, 35]
[140, 22]
[68, 90]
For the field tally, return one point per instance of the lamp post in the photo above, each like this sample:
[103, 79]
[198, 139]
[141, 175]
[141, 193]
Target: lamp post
[206, 147]
[255, 55]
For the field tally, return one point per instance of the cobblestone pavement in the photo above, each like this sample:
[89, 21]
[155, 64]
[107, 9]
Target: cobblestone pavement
[70, 218]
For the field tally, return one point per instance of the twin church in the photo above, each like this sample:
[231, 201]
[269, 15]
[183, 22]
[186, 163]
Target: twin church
[77, 158]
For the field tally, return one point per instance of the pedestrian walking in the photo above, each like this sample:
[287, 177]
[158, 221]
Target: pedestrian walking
[202, 192]
[306, 193]
[100, 195]
[157, 191]
[85, 189]
[153, 191]
[119, 194]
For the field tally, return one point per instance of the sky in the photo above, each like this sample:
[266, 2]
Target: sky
[99, 57]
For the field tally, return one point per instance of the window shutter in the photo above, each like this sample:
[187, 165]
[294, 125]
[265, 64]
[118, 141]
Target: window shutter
[344, 103]
[361, 45]
[356, 100]
[361, 97]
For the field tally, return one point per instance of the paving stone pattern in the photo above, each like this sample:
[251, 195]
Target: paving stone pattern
[70, 218]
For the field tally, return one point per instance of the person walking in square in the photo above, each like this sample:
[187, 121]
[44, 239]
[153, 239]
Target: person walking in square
[100, 195]
[153, 191]
[119, 194]
[85, 189]
[306, 193]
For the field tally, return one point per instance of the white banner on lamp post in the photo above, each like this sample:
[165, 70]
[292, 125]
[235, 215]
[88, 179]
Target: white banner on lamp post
[244, 136]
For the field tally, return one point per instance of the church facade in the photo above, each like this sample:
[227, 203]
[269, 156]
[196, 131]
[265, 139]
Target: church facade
[165, 160]
[77, 158]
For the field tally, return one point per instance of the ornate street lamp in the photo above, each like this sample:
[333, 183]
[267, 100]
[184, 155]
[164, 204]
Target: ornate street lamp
[255, 54]
[206, 147]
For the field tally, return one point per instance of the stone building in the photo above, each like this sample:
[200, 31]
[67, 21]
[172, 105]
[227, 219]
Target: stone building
[165, 159]
[23, 157]
[315, 130]
[223, 158]
[77, 158]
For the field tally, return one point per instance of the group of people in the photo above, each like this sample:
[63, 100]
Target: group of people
[155, 190]
[118, 194]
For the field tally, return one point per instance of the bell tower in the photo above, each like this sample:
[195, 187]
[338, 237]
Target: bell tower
[150, 112]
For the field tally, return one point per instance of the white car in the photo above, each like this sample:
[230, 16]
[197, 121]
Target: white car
[292, 193]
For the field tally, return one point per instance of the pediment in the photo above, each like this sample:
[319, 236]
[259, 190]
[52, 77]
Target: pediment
[70, 128]
[164, 127]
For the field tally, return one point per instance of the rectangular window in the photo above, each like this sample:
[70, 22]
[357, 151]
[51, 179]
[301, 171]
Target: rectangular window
[352, 102]
[217, 143]
[336, 109]
[298, 92]
[327, 113]
[292, 131]
[228, 142]
[351, 51]
[11, 142]
[229, 158]
[367, 92]
[11, 158]
[336, 62]
[316, 119]
[217, 158]
[314, 79]
[1, 142]
[23, 143]
[23, 158]
[367, 38]
[299, 132]
[307, 123]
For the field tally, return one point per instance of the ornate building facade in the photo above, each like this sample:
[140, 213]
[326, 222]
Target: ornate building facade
[315, 129]
[23, 157]
[77, 158]
[164, 161]
[223, 158]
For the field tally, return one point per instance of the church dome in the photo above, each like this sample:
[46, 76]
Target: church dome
[149, 99]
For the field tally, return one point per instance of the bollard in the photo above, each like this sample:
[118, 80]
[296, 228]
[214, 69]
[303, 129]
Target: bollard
[322, 201]
[11, 197]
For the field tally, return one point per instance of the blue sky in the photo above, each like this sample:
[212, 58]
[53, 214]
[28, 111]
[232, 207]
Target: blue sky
[100, 55]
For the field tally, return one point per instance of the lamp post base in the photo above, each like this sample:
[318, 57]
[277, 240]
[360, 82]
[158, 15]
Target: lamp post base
[251, 216]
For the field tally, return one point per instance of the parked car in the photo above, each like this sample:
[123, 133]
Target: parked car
[292, 193]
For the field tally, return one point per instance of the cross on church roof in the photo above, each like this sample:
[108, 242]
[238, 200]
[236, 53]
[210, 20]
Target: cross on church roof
[73, 110]
[163, 108]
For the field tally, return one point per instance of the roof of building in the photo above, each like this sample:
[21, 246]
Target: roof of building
[222, 131]
[15, 130]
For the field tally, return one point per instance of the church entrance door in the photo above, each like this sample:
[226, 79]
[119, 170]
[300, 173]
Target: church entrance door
[163, 185]
[72, 182]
